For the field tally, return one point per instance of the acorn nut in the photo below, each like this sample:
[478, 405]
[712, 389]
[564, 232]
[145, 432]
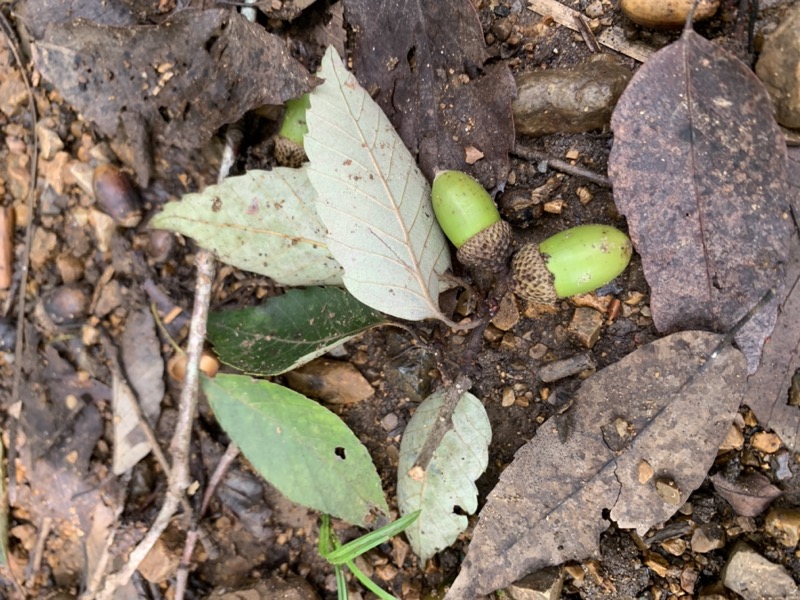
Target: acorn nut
[574, 261]
[289, 151]
[470, 220]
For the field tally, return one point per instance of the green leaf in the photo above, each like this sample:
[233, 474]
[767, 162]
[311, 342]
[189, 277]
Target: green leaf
[263, 221]
[373, 200]
[449, 478]
[300, 447]
[289, 330]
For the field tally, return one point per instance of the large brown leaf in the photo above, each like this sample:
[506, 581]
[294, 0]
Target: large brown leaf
[171, 84]
[426, 62]
[768, 388]
[656, 408]
[698, 167]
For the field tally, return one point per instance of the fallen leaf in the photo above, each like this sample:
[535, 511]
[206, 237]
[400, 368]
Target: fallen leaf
[288, 330]
[748, 495]
[427, 61]
[698, 167]
[444, 490]
[283, 433]
[183, 100]
[263, 221]
[768, 388]
[654, 405]
[373, 200]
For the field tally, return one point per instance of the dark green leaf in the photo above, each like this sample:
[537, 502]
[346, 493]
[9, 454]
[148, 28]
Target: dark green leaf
[289, 330]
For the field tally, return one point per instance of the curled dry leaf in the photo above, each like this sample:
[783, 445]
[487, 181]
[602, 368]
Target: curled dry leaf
[698, 167]
[656, 406]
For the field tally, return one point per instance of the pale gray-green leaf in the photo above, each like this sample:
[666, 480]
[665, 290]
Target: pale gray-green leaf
[263, 221]
[373, 200]
[300, 447]
[449, 479]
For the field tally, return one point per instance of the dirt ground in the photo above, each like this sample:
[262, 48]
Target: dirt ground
[89, 275]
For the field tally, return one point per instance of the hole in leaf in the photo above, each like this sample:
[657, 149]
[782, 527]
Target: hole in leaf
[459, 511]
[339, 451]
[411, 58]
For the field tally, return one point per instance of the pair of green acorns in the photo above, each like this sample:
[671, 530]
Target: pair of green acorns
[575, 261]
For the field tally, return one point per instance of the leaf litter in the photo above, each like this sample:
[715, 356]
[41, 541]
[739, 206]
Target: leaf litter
[662, 406]
[435, 56]
[183, 98]
[698, 167]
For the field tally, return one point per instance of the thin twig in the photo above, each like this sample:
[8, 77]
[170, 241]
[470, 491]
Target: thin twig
[194, 534]
[560, 165]
[181, 440]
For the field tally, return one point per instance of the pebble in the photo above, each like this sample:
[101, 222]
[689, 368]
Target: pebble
[49, 141]
[780, 465]
[332, 381]
[707, 538]
[754, 577]
[70, 268]
[389, 422]
[784, 525]
[546, 584]
[585, 326]
[734, 439]
[573, 100]
[508, 397]
[666, 14]
[507, 315]
[8, 335]
[766, 442]
[66, 304]
[669, 491]
[560, 369]
[778, 69]
[160, 245]
[117, 196]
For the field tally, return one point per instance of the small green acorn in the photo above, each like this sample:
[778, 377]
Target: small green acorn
[574, 261]
[470, 220]
[289, 151]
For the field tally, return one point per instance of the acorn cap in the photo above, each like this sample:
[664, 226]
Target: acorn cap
[289, 153]
[488, 249]
[531, 279]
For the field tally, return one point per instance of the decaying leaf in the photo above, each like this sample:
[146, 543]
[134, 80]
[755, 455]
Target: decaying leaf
[447, 483]
[749, 495]
[426, 61]
[289, 330]
[182, 100]
[263, 221]
[768, 388]
[655, 407]
[373, 200]
[698, 167]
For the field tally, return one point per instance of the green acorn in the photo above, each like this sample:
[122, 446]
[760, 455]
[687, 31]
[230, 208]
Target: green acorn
[470, 220]
[289, 151]
[574, 261]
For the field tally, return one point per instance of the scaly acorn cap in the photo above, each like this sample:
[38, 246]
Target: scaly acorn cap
[289, 153]
[531, 279]
[488, 249]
